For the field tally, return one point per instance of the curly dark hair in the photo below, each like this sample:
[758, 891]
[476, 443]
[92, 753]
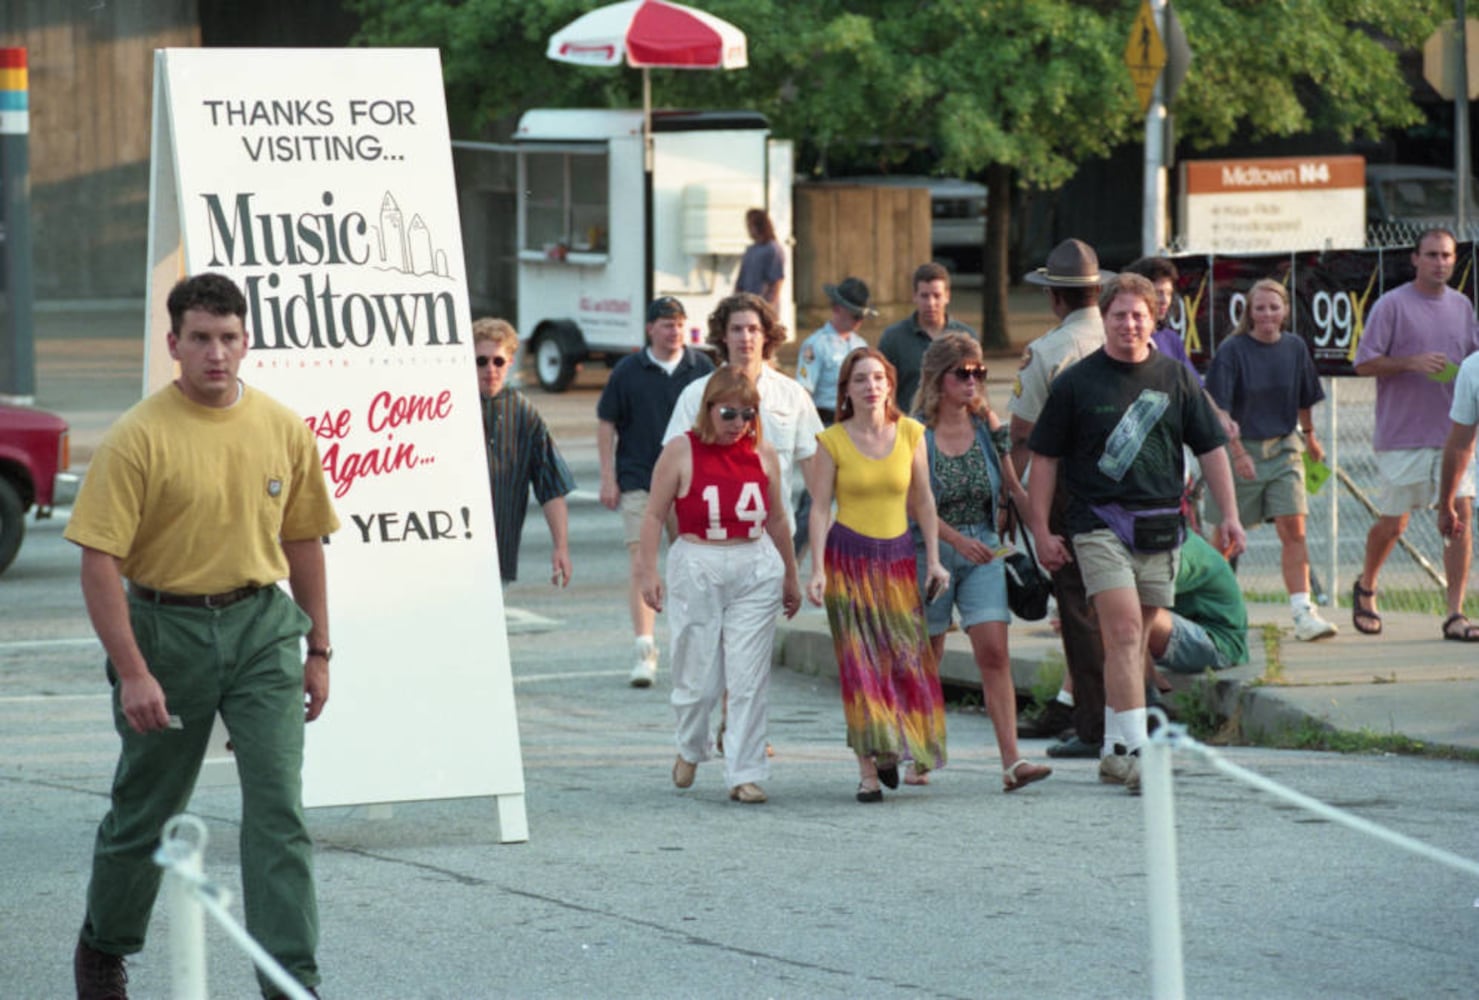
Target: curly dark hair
[775, 333]
[210, 292]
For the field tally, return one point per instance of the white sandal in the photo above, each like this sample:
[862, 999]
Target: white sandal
[1011, 780]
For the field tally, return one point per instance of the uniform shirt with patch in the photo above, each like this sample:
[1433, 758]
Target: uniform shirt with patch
[1080, 334]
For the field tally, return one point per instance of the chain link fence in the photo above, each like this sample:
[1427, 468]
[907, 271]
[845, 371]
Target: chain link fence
[1341, 514]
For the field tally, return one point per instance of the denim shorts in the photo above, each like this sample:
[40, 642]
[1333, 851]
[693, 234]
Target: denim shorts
[979, 590]
[1190, 650]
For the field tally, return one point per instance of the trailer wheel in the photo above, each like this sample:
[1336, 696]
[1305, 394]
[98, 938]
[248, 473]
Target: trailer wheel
[557, 350]
[12, 523]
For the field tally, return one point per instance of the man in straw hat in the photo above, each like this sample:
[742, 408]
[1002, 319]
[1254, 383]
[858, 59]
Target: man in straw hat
[1072, 279]
[820, 359]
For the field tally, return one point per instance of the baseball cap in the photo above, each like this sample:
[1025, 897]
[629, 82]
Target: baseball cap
[665, 307]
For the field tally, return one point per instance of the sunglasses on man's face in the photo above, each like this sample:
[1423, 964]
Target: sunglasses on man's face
[967, 372]
[497, 360]
[730, 412]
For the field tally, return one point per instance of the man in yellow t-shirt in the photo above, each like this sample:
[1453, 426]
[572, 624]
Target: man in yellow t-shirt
[202, 497]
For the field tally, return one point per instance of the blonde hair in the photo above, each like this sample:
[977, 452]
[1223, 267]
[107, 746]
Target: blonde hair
[490, 329]
[723, 384]
[947, 352]
[1245, 321]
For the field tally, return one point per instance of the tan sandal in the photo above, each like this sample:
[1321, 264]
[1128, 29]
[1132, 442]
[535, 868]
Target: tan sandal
[1023, 773]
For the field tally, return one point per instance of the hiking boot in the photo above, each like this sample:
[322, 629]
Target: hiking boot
[1121, 768]
[644, 671]
[1048, 722]
[1309, 626]
[99, 975]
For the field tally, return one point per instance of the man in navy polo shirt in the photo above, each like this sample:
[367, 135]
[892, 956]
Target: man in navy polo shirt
[632, 414]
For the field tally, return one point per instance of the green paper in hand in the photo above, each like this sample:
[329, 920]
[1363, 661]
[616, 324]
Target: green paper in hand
[1448, 374]
[1315, 474]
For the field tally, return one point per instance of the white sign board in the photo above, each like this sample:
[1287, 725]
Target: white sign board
[321, 182]
[1271, 204]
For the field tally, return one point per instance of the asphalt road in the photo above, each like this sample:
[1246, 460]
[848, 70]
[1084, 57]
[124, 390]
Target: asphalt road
[629, 888]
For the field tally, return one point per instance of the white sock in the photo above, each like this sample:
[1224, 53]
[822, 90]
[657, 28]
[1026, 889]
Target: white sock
[1065, 697]
[646, 646]
[1300, 602]
[1133, 731]
[1111, 732]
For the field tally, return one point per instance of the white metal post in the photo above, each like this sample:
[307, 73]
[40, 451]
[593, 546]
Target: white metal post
[1332, 499]
[181, 849]
[1167, 978]
[1153, 206]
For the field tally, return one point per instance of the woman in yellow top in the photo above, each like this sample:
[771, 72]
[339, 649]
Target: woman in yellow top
[873, 461]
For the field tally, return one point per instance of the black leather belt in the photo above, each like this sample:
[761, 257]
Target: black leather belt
[213, 601]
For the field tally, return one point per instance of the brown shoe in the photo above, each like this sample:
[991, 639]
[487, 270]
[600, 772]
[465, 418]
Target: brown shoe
[748, 793]
[99, 975]
[683, 772]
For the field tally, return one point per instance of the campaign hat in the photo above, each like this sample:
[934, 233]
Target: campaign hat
[852, 295]
[1072, 264]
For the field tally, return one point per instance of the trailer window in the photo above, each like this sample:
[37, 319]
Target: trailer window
[566, 206]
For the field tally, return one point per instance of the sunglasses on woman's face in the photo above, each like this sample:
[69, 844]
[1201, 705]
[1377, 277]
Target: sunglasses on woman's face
[967, 372]
[497, 360]
[730, 412]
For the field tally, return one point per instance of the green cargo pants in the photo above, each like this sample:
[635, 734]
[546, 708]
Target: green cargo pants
[245, 662]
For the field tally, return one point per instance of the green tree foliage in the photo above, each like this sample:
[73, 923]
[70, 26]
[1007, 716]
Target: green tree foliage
[1019, 92]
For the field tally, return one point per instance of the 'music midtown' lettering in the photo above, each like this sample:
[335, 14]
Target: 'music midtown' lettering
[302, 309]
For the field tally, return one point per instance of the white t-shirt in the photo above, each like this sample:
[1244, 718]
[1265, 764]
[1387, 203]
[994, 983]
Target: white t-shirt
[1465, 409]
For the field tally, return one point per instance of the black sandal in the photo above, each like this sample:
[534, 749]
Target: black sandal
[1469, 632]
[1365, 620]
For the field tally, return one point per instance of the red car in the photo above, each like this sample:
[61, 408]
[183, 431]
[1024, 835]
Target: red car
[34, 455]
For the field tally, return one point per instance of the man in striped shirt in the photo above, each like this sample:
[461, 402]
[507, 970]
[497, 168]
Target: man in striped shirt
[521, 454]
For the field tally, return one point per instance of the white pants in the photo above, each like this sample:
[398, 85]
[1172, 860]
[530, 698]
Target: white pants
[722, 603]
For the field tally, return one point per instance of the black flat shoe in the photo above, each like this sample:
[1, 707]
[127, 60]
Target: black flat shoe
[866, 794]
[889, 775]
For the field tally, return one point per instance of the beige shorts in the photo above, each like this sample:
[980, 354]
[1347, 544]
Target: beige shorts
[1106, 564]
[633, 507]
[1277, 486]
[1410, 478]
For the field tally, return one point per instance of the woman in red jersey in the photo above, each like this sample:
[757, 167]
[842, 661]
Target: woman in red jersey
[726, 580]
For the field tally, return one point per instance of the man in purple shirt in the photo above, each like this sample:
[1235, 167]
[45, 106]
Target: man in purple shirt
[1413, 341]
[1162, 275]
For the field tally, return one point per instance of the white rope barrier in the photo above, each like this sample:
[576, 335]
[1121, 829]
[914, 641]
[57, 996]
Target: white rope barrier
[1167, 972]
[191, 895]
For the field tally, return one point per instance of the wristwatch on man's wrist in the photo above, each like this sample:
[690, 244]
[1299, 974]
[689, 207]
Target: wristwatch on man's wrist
[325, 652]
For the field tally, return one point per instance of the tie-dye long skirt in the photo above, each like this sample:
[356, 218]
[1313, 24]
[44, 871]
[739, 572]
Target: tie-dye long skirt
[891, 695]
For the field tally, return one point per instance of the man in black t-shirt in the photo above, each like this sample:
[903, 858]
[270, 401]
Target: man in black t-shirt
[1117, 421]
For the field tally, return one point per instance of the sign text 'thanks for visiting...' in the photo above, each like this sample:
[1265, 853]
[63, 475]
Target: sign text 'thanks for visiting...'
[321, 182]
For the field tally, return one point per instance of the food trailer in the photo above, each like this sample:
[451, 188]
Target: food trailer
[599, 237]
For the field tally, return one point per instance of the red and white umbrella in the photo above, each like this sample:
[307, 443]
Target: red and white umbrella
[646, 34]
[649, 33]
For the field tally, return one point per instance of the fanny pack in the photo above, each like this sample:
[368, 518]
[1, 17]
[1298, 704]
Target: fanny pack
[1155, 529]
